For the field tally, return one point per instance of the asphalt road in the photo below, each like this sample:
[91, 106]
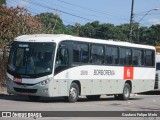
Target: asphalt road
[105, 103]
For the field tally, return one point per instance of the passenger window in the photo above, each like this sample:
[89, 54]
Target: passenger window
[149, 58]
[112, 55]
[85, 53]
[63, 56]
[138, 57]
[80, 52]
[97, 54]
[109, 55]
[128, 56]
[76, 53]
[125, 56]
[122, 56]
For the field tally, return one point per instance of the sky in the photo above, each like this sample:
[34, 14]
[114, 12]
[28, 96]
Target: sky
[116, 12]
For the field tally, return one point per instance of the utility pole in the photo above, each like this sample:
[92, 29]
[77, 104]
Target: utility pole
[131, 22]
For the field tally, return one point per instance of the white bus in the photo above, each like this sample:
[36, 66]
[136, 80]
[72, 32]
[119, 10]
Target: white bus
[63, 65]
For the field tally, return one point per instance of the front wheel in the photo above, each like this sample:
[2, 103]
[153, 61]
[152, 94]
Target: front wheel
[73, 93]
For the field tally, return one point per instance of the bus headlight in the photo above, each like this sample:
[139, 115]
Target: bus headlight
[44, 82]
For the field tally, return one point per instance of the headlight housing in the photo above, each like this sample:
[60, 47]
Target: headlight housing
[44, 82]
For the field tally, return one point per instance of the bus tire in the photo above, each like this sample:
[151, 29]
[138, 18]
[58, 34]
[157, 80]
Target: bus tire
[93, 97]
[126, 92]
[73, 93]
[33, 98]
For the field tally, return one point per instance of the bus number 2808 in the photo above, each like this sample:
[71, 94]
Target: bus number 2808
[84, 72]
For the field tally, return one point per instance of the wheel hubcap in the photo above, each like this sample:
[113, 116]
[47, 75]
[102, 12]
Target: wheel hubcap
[73, 93]
[126, 92]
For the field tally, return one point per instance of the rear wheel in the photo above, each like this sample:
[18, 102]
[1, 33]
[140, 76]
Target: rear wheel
[73, 93]
[93, 97]
[33, 98]
[126, 92]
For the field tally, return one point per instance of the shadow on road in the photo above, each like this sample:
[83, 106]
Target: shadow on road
[23, 98]
[151, 93]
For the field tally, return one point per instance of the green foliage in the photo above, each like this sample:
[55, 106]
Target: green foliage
[87, 30]
[17, 21]
[51, 23]
[154, 34]
[2, 1]
[104, 31]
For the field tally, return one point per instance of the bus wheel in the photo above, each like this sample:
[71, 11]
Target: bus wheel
[126, 92]
[33, 98]
[93, 97]
[73, 93]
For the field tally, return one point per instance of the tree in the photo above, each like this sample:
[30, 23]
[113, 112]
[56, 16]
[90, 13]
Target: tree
[142, 36]
[14, 22]
[73, 29]
[52, 23]
[124, 34]
[2, 1]
[87, 31]
[154, 35]
[106, 31]
[76, 29]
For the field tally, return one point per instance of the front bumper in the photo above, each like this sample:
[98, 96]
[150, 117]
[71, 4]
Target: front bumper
[28, 89]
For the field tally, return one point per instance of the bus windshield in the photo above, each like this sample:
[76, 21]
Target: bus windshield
[31, 60]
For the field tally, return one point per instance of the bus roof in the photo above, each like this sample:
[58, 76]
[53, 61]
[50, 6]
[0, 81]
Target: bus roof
[60, 37]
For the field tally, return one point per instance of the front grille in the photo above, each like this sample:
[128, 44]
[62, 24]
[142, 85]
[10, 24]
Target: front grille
[24, 84]
[21, 90]
[156, 82]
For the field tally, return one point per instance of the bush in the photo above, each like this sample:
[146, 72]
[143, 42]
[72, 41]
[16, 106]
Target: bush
[3, 71]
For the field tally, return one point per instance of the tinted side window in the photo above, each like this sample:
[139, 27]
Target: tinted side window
[63, 56]
[76, 52]
[149, 58]
[128, 53]
[84, 53]
[108, 55]
[138, 57]
[122, 56]
[97, 54]
[125, 56]
[112, 55]
[80, 52]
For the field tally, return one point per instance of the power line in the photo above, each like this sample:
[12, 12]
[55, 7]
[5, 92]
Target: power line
[32, 11]
[98, 31]
[116, 18]
[68, 13]
[104, 13]
[61, 11]
[77, 11]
